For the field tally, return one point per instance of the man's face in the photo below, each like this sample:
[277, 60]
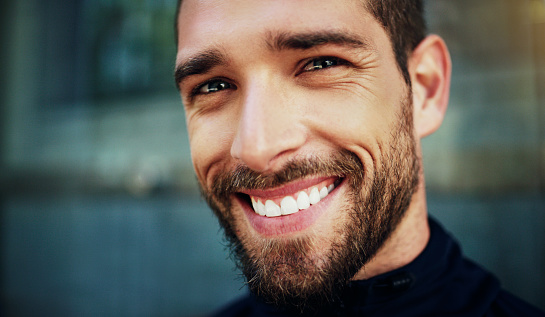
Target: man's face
[300, 127]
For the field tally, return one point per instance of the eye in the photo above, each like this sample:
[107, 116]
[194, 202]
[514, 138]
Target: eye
[323, 62]
[212, 86]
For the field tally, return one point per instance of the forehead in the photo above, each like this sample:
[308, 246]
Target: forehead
[205, 23]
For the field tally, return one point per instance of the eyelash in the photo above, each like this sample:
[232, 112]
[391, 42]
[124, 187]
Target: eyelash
[337, 62]
[197, 90]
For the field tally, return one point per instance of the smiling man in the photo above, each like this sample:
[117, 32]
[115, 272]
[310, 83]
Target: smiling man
[305, 120]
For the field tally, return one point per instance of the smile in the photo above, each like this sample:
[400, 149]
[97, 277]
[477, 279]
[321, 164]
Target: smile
[290, 208]
[291, 204]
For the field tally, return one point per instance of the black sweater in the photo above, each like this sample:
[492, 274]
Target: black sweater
[439, 282]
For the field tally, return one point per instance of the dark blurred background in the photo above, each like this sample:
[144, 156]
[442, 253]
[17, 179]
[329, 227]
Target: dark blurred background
[99, 212]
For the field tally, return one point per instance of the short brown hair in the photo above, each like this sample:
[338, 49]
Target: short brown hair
[403, 21]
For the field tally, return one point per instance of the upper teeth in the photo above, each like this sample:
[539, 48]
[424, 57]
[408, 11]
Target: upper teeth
[290, 205]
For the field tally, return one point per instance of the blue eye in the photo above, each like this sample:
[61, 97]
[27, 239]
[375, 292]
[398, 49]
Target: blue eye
[322, 62]
[214, 86]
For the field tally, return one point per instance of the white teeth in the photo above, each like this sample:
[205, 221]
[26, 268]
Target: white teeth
[314, 196]
[323, 192]
[302, 201]
[288, 206]
[272, 209]
[260, 209]
[254, 203]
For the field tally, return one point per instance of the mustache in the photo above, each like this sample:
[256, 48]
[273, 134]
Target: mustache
[340, 164]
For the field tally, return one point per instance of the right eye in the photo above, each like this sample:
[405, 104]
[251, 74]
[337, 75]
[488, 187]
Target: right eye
[212, 86]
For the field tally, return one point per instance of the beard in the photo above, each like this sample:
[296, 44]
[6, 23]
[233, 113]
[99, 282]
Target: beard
[292, 273]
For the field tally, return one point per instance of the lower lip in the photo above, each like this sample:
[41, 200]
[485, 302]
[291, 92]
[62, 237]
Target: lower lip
[283, 225]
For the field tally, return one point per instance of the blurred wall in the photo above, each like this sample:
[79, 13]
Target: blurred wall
[99, 210]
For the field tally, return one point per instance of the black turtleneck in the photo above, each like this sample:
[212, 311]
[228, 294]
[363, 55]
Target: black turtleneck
[439, 282]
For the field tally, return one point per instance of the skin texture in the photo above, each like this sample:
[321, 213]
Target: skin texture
[280, 123]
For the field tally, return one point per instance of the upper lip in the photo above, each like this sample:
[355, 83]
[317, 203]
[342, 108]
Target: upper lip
[287, 189]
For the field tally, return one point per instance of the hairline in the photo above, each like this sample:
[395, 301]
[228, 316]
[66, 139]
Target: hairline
[401, 54]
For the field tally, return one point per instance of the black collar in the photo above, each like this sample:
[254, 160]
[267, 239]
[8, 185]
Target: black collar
[438, 280]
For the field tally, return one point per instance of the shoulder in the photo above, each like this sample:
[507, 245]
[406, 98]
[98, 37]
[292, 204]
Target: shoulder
[508, 305]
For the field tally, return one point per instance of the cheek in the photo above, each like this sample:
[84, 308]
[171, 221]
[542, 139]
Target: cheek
[350, 119]
[210, 142]
[357, 121]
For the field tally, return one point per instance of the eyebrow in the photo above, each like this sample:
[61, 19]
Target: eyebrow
[204, 61]
[199, 64]
[308, 40]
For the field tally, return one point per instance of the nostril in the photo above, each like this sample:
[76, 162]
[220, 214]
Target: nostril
[250, 152]
[252, 157]
[265, 133]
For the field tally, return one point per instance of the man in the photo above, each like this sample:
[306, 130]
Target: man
[305, 120]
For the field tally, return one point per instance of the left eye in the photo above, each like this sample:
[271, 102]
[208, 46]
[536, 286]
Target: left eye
[322, 62]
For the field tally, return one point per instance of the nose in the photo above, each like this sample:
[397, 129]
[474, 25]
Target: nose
[269, 126]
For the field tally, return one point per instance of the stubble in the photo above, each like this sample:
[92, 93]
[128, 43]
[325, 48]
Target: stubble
[288, 273]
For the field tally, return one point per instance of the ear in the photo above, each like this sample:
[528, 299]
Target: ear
[430, 69]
